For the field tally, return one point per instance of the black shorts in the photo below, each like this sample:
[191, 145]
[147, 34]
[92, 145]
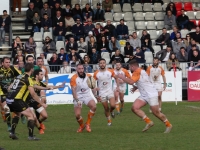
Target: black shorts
[16, 105]
[3, 98]
[34, 104]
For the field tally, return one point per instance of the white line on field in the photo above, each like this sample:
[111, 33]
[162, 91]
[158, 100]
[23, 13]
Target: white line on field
[195, 107]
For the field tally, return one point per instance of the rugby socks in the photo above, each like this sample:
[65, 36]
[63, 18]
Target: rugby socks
[117, 107]
[3, 115]
[167, 123]
[15, 121]
[159, 109]
[122, 104]
[90, 115]
[146, 119]
[109, 120]
[8, 119]
[31, 124]
[80, 121]
[37, 115]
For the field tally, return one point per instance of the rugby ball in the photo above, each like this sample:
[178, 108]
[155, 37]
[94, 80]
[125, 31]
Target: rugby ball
[91, 82]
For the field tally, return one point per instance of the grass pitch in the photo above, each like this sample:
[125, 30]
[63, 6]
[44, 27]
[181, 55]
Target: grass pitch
[124, 134]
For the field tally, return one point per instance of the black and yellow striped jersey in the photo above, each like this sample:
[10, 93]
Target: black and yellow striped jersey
[40, 83]
[7, 76]
[19, 88]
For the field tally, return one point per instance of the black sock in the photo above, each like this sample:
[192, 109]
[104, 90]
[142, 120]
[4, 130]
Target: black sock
[15, 121]
[8, 119]
[22, 115]
[37, 115]
[31, 124]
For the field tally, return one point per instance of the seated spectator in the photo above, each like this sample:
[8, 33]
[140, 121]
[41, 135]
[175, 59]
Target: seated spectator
[46, 10]
[173, 34]
[196, 35]
[89, 27]
[69, 22]
[29, 15]
[30, 46]
[109, 29]
[90, 34]
[91, 44]
[49, 45]
[46, 24]
[55, 9]
[187, 40]
[19, 57]
[182, 55]
[71, 45]
[172, 62]
[17, 45]
[18, 4]
[99, 37]
[74, 53]
[114, 44]
[73, 62]
[87, 67]
[190, 52]
[57, 19]
[169, 20]
[78, 30]
[171, 6]
[54, 63]
[36, 22]
[145, 35]
[192, 44]
[128, 50]
[97, 29]
[5, 22]
[98, 13]
[135, 41]
[163, 39]
[164, 54]
[131, 57]
[122, 30]
[147, 45]
[67, 11]
[60, 32]
[42, 55]
[177, 45]
[37, 3]
[107, 5]
[77, 12]
[95, 56]
[87, 12]
[82, 46]
[53, 2]
[183, 21]
[65, 69]
[103, 46]
[139, 55]
[195, 57]
[20, 65]
[117, 57]
[62, 56]
[178, 36]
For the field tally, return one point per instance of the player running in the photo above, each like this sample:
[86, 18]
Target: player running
[106, 93]
[122, 86]
[81, 94]
[148, 94]
[155, 71]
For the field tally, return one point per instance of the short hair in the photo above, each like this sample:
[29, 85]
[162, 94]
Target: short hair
[36, 72]
[133, 63]
[155, 58]
[164, 28]
[45, 3]
[79, 64]
[102, 59]
[182, 48]
[195, 51]
[4, 58]
[4, 11]
[27, 57]
[45, 14]
[39, 58]
[62, 49]
[28, 67]
[121, 20]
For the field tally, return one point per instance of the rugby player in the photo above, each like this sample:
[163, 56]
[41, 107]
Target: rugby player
[148, 94]
[40, 64]
[30, 59]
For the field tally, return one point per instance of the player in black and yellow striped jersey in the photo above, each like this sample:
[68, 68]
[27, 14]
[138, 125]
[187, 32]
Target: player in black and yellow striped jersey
[17, 95]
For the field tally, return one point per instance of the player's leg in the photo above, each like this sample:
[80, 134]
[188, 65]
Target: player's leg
[2, 112]
[15, 121]
[23, 119]
[116, 93]
[121, 97]
[7, 114]
[106, 110]
[112, 106]
[43, 116]
[79, 118]
[92, 105]
[160, 99]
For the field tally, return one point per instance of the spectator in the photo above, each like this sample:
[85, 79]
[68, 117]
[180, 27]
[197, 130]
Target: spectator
[172, 62]
[163, 39]
[78, 29]
[87, 12]
[178, 36]
[90, 34]
[57, 19]
[97, 29]
[95, 56]
[139, 55]
[98, 13]
[171, 6]
[196, 35]
[117, 57]
[77, 12]
[147, 45]
[71, 45]
[29, 15]
[66, 68]
[99, 37]
[53, 2]
[173, 34]
[46, 24]
[109, 29]
[54, 62]
[182, 55]
[42, 55]
[195, 57]
[5, 22]
[91, 44]
[37, 3]
[30, 46]
[89, 27]
[62, 56]
[67, 11]
[190, 52]
[20, 65]
[69, 22]
[131, 57]
[55, 9]
[87, 67]
[165, 53]
[82, 46]
[177, 45]
[46, 10]
[187, 40]
[192, 44]
[60, 32]
[122, 30]
[103, 46]
[49, 46]
[36, 22]
[183, 21]
[107, 5]
[114, 44]
[135, 41]
[19, 57]
[17, 45]
[145, 35]
[73, 62]
[18, 4]
[128, 50]
[169, 20]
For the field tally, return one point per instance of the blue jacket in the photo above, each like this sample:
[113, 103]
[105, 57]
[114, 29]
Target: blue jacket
[64, 57]
[88, 28]
[173, 36]
[58, 29]
[78, 30]
[46, 23]
[142, 59]
[122, 29]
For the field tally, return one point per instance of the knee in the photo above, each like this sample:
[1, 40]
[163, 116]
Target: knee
[78, 116]
[106, 109]
[156, 112]
[45, 116]
[134, 108]
[93, 108]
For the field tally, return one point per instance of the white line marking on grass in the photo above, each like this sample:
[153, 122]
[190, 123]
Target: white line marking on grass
[195, 107]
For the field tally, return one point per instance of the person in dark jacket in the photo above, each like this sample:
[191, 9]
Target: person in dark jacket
[147, 45]
[98, 13]
[171, 6]
[53, 2]
[145, 35]
[71, 45]
[182, 55]
[95, 56]
[54, 62]
[109, 29]
[57, 19]
[29, 15]
[78, 29]
[89, 27]
[49, 46]
[122, 30]
[67, 11]
[163, 39]
[62, 56]
[103, 45]
[139, 55]
[87, 12]
[77, 12]
[128, 50]
[117, 57]
[60, 32]
[196, 35]
[74, 53]
[46, 24]
[46, 10]
[183, 21]
[37, 3]
[55, 9]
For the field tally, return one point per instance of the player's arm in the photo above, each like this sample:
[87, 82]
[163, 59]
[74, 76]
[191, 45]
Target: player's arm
[41, 87]
[164, 80]
[57, 87]
[46, 77]
[43, 96]
[131, 81]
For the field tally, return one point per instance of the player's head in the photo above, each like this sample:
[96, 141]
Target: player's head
[5, 62]
[40, 62]
[28, 68]
[133, 65]
[30, 59]
[102, 63]
[155, 61]
[38, 74]
[118, 65]
[80, 71]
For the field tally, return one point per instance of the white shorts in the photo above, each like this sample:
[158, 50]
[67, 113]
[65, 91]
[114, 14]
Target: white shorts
[84, 99]
[158, 87]
[39, 110]
[106, 96]
[153, 101]
[121, 88]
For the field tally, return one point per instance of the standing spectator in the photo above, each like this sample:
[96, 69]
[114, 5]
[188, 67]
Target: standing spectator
[46, 10]
[177, 45]
[173, 61]
[57, 19]
[195, 57]
[30, 46]
[78, 29]
[54, 62]
[165, 53]
[182, 55]
[169, 20]
[196, 35]
[163, 39]
[37, 3]
[183, 21]
[103, 46]
[62, 56]
[55, 9]
[5, 22]
[17, 3]
[98, 13]
[87, 67]
[173, 34]
[77, 12]
[187, 40]
[69, 22]
[29, 15]
[53, 2]
[71, 45]
[135, 41]
[65, 69]
[87, 12]
[17, 45]
[95, 56]
[109, 29]
[82, 46]
[89, 27]
[67, 10]
[122, 30]
[36, 22]
[114, 44]
[91, 44]
[49, 45]
[128, 50]
[145, 35]
[139, 55]
[107, 5]
[90, 34]
[117, 57]
[60, 32]
[46, 24]
[171, 6]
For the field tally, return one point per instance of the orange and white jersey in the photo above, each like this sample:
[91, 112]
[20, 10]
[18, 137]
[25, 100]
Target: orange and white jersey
[44, 70]
[155, 73]
[144, 84]
[104, 79]
[124, 72]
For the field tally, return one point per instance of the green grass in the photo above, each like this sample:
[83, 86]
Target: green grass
[124, 134]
